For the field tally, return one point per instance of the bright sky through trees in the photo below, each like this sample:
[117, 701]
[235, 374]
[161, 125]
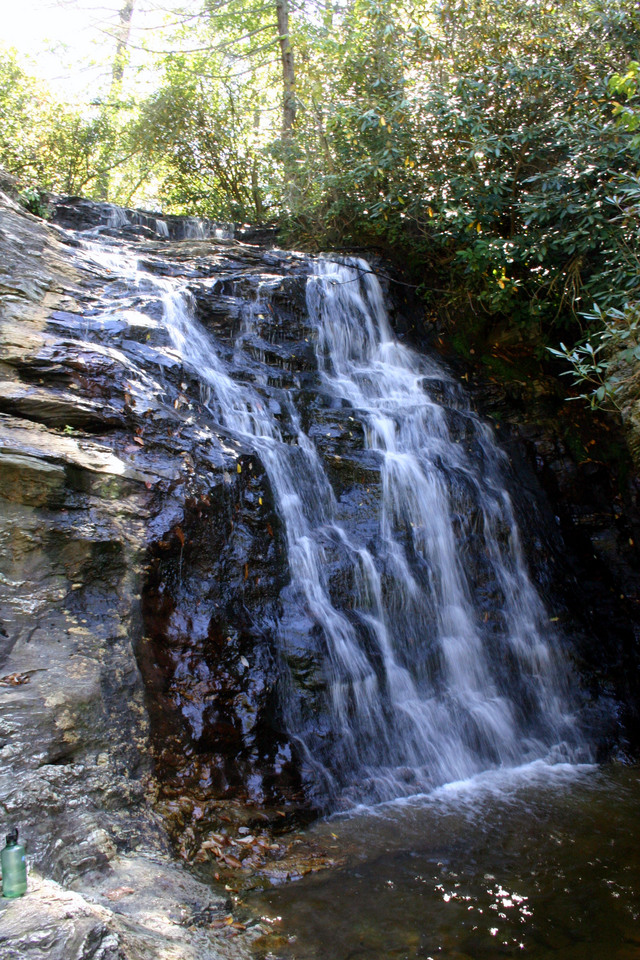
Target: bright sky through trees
[70, 43]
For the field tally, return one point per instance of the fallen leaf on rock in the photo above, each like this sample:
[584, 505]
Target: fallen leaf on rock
[119, 893]
[232, 861]
[267, 845]
[209, 845]
[15, 679]
[201, 856]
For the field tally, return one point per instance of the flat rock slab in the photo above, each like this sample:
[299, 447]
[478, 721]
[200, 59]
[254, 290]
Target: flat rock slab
[139, 909]
[35, 266]
[32, 446]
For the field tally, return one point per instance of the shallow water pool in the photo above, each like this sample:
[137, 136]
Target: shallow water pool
[543, 862]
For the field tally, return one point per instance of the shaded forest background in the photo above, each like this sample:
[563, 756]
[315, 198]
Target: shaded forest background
[491, 150]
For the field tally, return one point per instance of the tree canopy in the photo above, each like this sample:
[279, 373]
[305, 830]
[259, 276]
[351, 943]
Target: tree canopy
[492, 148]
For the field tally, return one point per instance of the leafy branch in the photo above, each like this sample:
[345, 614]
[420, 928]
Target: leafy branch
[605, 363]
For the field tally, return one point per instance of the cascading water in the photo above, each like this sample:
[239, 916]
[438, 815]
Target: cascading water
[441, 662]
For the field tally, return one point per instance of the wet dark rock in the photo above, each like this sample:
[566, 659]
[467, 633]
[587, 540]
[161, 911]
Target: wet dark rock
[207, 654]
[101, 461]
[577, 497]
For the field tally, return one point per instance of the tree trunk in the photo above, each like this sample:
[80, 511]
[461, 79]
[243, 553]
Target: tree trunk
[256, 192]
[288, 71]
[122, 33]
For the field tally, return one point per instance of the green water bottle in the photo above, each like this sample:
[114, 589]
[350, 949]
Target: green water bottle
[14, 866]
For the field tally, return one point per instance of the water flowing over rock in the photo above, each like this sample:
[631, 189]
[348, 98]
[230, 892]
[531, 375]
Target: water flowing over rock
[424, 650]
[111, 220]
[260, 558]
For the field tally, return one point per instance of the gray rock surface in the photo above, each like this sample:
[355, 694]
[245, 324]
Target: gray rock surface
[138, 908]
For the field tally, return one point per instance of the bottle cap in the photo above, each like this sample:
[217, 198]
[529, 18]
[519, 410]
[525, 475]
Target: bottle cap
[12, 836]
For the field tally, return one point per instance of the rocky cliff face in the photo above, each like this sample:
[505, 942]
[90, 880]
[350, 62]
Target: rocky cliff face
[97, 488]
[142, 570]
[578, 493]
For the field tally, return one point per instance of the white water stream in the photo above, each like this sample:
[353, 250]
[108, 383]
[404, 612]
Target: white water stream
[441, 661]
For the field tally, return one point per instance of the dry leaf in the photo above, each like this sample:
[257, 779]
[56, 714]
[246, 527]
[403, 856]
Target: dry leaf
[232, 862]
[15, 679]
[119, 893]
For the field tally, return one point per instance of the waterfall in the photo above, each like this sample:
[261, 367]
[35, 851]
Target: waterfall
[440, 660]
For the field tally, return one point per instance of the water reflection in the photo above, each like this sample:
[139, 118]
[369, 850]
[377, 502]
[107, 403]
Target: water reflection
[544, 866]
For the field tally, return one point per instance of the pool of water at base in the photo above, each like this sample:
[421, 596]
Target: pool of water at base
[543, 862]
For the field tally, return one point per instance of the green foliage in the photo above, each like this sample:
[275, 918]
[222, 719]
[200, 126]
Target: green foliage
[491, 152]
[201, 136]
[626, 86]
[605, 362]
[35, 201]
[46, 144]
[493, 148]
[19, 114]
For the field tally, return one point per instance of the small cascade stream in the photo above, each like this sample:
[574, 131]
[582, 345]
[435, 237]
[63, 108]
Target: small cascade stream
[455, 695]
[436, 659]
[441, 661]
